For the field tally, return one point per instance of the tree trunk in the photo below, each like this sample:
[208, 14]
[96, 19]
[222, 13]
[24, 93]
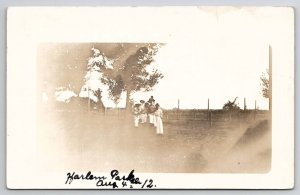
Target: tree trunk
[128, 106]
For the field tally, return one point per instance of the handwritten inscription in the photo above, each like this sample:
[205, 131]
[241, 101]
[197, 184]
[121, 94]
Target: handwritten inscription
[114, 180]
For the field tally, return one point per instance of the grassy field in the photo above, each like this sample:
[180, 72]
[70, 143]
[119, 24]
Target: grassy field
[81, 141]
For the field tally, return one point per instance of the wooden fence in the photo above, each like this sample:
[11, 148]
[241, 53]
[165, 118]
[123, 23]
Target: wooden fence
[208, 114]
[195, 114]
[215, 115]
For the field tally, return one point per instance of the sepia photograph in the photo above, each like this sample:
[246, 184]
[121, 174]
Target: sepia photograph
[156, 98]
[144, 105]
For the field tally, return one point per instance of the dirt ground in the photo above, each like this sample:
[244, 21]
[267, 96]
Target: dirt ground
[82, 141]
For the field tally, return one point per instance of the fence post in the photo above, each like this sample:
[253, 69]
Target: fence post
[255, 110]
[208, 109]
[178, 110]
[245, 106]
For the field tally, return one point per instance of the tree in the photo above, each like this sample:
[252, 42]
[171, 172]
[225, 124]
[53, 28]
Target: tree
[134, 74]
[231, 106]
[265, 83]
[97, 66]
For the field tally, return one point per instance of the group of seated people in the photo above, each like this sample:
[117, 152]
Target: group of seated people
[148, 112]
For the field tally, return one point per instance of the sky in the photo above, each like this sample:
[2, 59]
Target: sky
[219, 57]
[220, 71]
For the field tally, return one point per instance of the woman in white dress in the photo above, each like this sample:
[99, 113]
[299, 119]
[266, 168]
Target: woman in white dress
[136, 111]
[151, 114]
[159, 123]
[143, 112]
